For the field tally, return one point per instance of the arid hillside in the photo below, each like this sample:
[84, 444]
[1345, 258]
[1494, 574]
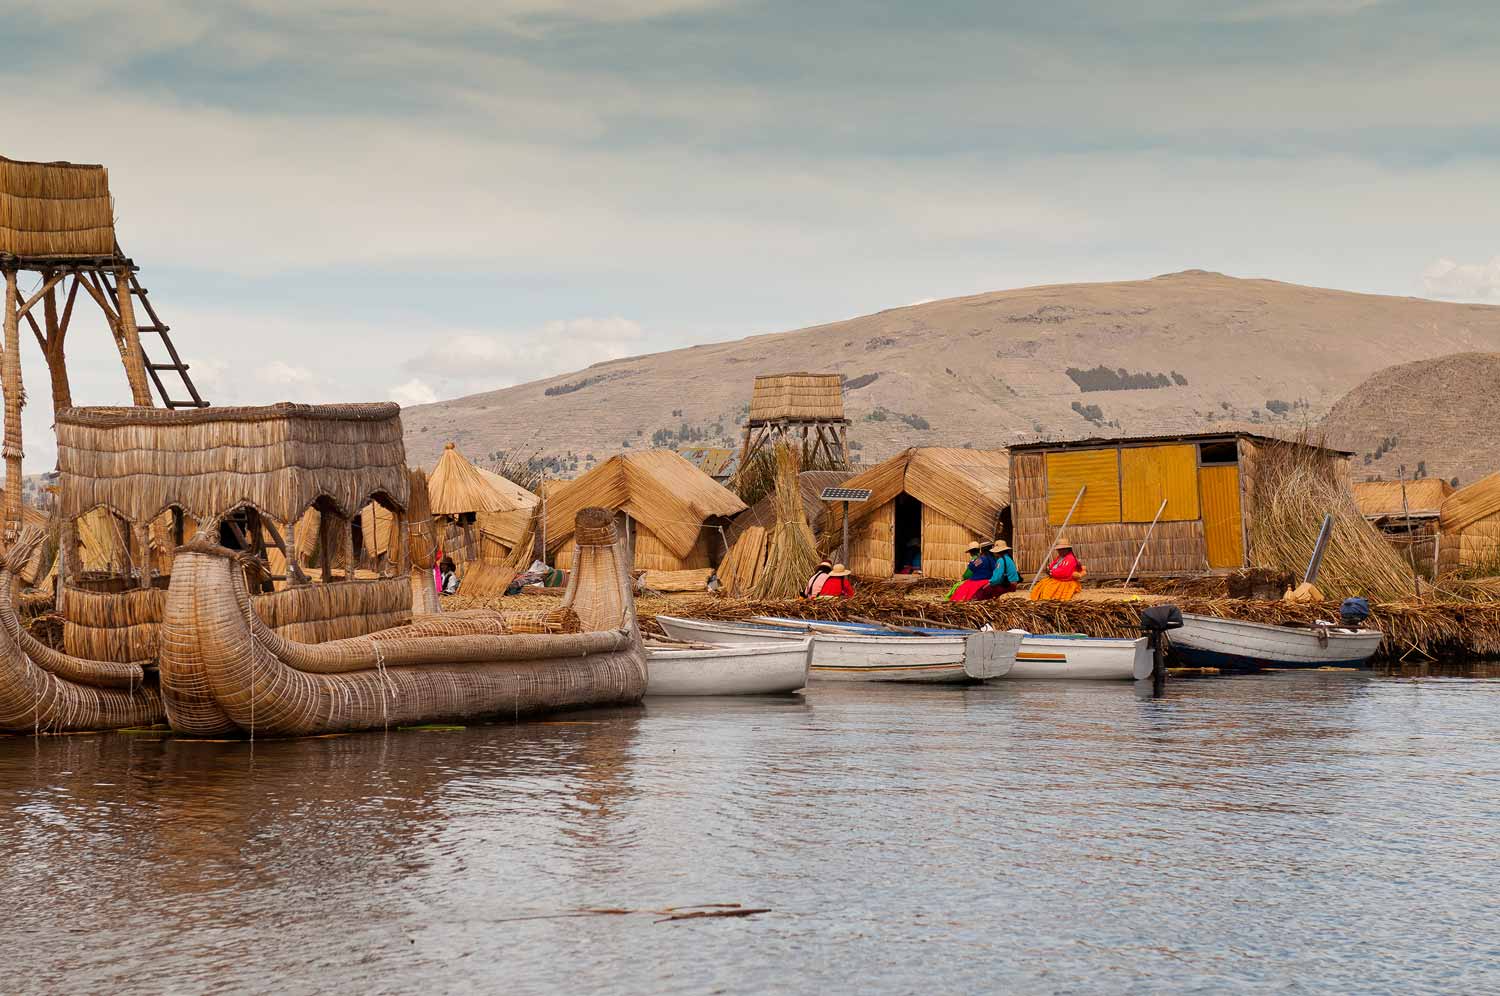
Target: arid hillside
[1432, 416]
[1183, 351]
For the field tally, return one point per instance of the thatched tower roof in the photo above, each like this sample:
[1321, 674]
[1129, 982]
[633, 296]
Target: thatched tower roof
[456, 486]
[1423, 497]
[207, 461]
[797, 396]
[657, 488]
[56, 210]
[971, 487]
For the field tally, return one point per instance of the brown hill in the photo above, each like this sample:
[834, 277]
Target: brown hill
[1432, 416]
[1183, 351]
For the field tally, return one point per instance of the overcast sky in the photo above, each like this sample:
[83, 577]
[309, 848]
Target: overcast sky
[350, 201]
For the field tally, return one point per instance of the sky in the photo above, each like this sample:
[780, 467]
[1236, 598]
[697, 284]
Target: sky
[338, 201]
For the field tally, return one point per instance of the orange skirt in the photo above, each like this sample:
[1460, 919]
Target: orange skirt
[1051, 589]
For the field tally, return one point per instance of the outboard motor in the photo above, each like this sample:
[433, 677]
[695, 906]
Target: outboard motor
[1354, 611]
[1155, 621]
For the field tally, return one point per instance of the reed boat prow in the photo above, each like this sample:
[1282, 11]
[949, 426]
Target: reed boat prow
[47, 691]
[224, 669]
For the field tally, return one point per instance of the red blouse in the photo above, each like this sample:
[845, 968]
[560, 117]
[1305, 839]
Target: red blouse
[836, 588]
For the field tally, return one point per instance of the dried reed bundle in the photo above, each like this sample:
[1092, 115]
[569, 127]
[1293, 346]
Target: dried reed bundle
[1294, 488]
[743, 564]
[791, 552]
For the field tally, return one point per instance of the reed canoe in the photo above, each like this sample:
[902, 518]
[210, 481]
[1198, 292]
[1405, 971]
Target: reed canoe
[740, 669]
[1234, 644]
[223, 669]
[43, 690]
[844, 654]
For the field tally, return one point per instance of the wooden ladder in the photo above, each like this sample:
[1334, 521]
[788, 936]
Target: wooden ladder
[155, 324]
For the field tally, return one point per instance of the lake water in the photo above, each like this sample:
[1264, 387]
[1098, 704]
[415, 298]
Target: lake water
[1305, 832]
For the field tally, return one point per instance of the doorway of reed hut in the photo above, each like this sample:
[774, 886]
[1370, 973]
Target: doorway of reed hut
[908, 535]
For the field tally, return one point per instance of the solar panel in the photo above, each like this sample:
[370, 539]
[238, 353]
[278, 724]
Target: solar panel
[846, 494]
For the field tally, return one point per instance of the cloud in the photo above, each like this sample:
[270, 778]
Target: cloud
[1448, 278]
[1269, 10]
[469, 362]
[413, 392]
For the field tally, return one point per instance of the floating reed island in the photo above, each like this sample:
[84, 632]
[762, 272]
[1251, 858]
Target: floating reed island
[216, 641]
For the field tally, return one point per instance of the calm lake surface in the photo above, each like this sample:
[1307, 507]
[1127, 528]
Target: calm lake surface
[1306, 832]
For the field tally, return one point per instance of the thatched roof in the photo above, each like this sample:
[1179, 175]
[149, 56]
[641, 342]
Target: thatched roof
[657, 488]
[278, 458]
[763, 513]
[1423, 497]
[717, 462]
[971, 487]
[818, 397]
[1470, 504]
[456, 486]
[55, 210]
[508, 488]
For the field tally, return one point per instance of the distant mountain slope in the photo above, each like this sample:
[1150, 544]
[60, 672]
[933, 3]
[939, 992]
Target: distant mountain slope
[1176, 352]
[1433, 416]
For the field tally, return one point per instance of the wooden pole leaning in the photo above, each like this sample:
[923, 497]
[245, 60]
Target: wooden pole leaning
[1058, 535]
[130, 349]
[1139, 553]
[1411, 553]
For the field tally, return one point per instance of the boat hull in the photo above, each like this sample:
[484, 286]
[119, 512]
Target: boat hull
[1233, 644]
[743, 669]
[1083, 658]
[843, 654]
[223, 669]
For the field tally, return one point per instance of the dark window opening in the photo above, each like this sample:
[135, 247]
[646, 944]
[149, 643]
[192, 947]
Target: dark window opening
[1219, 454]
[908, 557]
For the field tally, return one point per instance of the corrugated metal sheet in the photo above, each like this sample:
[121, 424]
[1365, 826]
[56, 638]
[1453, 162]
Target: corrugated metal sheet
[1098, 472]
[1222, 526]
[1150, 473]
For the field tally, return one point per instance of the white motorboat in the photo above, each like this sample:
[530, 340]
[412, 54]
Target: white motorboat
[1040, 656]
[1237, 645]
[768, 668]
[856, 652]
[1083, 657]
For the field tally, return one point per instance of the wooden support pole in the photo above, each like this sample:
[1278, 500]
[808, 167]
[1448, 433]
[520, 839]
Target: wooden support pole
[10, 384]
[51, 281]
[1141, 552]
[135, 364]
[1411, 553]
[325, 555]
[52, 349]
[349, 554]
[1057, 535]
[141, 531]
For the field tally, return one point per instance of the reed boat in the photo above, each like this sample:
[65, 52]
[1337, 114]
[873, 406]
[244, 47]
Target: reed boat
[44, 690]
[1237, 645]
[738, 669]
[851, 654]
[250, 633]
[1053, 655]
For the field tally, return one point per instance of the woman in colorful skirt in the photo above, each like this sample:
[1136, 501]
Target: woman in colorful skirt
[1005, 578]
[976, 574]
[1060, 583]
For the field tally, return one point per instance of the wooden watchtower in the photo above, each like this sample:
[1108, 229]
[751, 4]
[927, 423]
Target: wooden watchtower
[807, 406]
[57, 228]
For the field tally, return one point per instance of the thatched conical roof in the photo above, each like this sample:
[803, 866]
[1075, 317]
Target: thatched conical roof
[657, 488]
[457, 486]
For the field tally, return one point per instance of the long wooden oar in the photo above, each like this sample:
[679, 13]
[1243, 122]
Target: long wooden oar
[1058, 535]
[1142, 550]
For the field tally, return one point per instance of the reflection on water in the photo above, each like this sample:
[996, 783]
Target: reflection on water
[1321, 831]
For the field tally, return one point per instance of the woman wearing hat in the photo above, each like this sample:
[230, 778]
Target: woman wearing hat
[814, 586]
[1004, 578]
[839, 583]
[1060, 583]
[976, 575]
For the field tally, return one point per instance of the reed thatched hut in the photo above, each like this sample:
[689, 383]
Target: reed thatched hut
[1406, 515]
[1206, 480]
[674, 514]
[934, 499]
[1469, 528]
